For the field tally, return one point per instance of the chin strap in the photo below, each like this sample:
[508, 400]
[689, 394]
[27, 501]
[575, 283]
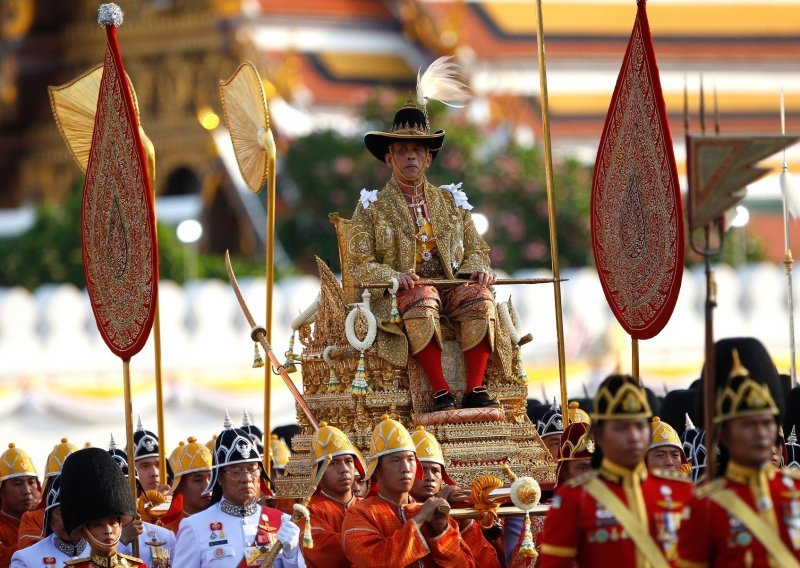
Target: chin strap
[96, 545]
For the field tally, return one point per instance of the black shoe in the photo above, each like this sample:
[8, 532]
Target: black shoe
[478, 398]
[443, 400]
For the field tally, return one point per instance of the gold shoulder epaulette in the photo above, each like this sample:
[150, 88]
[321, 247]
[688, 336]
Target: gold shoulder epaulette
[793, 473]
[708, 488]
[133, 559]
[581, 479]
[670, 474]
[76, 561]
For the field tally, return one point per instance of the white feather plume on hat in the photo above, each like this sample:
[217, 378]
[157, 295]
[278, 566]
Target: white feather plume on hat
[444, 82]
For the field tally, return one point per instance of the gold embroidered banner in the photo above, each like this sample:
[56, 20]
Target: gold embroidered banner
[120, 253]
[637, 219]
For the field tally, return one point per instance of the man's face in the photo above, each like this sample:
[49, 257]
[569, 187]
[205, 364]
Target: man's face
[408, 160]
[553, 444]
[776, 455]
[361, 488]
[106, 531]
[18, 495]
[664, 457]
[430, 484]
[338, 478]
[750, 439]
[396, 472]
[240, 482]
[574, 468]
[147, 468]
[624, 442]
[191, 487]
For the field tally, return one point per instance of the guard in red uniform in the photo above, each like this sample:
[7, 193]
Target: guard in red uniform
[618, 514]
[750, 516]
[96, 502]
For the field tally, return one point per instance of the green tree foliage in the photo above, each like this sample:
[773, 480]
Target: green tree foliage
[503, 179]
[50, 251]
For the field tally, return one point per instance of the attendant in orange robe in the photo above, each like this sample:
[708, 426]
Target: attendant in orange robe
[31, 526]
[436, 482]
[19, 492]
[191, 465]
[388, 528]
[334, 496]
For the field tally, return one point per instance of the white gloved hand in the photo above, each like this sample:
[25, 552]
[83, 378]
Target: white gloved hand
[289, 536]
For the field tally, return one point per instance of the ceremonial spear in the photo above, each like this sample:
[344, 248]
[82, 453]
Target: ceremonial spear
[718, 170]
[790, 207]
[244, 106]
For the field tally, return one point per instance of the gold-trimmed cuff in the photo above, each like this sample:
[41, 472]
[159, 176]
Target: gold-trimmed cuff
[560, 551]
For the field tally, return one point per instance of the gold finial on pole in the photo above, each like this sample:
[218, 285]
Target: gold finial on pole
[551, 209]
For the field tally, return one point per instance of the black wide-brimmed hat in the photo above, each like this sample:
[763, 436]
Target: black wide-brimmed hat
[94, 487]
[410, 125]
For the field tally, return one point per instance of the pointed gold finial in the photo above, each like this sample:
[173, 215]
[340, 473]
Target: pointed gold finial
[737, 370]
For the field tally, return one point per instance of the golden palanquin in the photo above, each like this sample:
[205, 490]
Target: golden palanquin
[474, 441]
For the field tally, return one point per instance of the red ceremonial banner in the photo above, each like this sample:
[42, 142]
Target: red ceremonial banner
[120, 252]
[637, 217]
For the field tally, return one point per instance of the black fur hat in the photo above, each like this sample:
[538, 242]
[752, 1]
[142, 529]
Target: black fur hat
[677, 404]
[620, 397]
[733, 389]
[791, 418]
[94, 487]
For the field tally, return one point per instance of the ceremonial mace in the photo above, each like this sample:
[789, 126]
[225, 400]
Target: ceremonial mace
[718, 170]
[300, 511]
[246, 113]
[551, 211]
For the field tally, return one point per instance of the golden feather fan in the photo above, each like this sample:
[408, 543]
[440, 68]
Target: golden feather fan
[74, 105]
[244, 106]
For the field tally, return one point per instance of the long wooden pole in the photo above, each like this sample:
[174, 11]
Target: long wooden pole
[635, 359]
[162, 457]
[271, 177]
[126, 380]
[709, 367]
[551, 210]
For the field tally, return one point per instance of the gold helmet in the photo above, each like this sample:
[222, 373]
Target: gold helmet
[577, 414]
[279, 452]
[429, 450]
[15, 462]
[330, 441]
[56, 458]
[189, 457]
[662, 434]
[389, 437]
[211, 444]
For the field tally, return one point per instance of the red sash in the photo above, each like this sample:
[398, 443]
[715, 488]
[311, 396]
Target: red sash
[268, 524]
